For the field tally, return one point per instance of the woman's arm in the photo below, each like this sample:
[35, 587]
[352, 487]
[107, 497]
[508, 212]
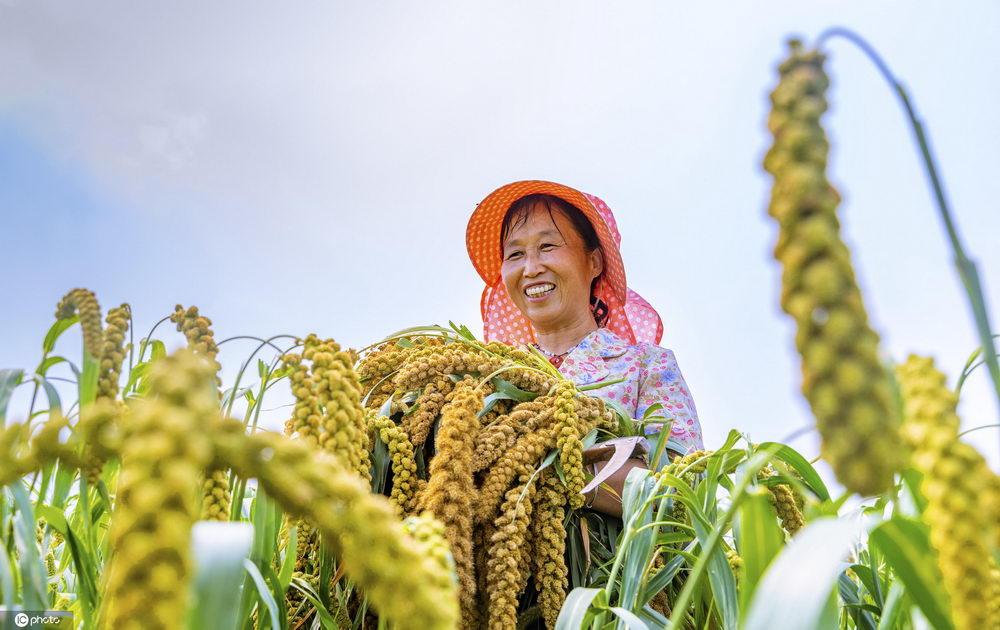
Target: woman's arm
[607, 497]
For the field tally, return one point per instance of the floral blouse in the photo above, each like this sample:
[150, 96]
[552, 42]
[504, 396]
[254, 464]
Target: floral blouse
[651, 376]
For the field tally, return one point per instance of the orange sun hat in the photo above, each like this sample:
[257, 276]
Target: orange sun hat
[629, 316]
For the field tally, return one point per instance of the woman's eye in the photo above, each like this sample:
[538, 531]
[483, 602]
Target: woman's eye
[546, 246]
[513, 255]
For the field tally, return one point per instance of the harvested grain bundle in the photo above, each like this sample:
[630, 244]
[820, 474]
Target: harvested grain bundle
[549, 535]
[405, 482]
[843, 379]
[451, 488]
[955, 477]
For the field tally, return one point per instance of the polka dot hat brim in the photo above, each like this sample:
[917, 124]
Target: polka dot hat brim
[631, 317]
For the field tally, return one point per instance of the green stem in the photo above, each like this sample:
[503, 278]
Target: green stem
[965, 266]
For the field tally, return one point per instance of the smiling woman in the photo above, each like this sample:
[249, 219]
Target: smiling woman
[550, 257]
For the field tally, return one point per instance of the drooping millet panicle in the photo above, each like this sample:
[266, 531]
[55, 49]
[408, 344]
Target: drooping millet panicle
[429, 364]
[570, 443]
[694, 463]
[101, 433]
[344, 429]
[17, 458]
[994, 596]
[110, 360]
[450, 486]
[517, 461]
[20, 453]
[418, 424]
[551, 573]
[497, 438]
[482, 533]
[955, 477]
[404, 466]
[507, 568]
[783, 500]
[362, 528]
[735, 561]
[786, 505]
[83, 302]
[305, 421]
[385, 359]
[843, 380]
[163, 457]
[112, 351]
[217, 498]
[197, 329]
[491, 443]
[429, 533]
[659, 602]
[992, 505]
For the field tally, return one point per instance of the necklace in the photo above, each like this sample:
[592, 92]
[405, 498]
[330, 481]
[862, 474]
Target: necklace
[556, 359]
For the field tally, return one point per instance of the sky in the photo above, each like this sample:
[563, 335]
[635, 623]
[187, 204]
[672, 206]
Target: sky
[312, 169]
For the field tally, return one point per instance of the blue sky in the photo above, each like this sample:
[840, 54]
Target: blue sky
[313, 170]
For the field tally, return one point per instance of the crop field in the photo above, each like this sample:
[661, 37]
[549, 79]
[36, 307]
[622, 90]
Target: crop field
[433, 481]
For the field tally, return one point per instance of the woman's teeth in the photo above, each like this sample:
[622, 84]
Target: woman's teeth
[539, 289]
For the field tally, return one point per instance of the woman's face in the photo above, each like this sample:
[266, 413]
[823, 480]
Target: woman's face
[547, 271]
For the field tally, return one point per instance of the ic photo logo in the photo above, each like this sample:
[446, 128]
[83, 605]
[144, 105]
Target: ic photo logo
[38, 619]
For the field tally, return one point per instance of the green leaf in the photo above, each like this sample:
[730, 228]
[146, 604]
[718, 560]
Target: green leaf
[796, 590]
[638, 547]
[759, 541]
[853, 604]
[48, 363]
[326, 621]
[266, 517]
[88, 379]
[33, 574]
[51, 395]
[799, 463]
[264, 593]
[632, 621]
[895, 605]
[512, 391]
[6, 577]
[9, 380]
[55, 330]
[720, 574]
[905, 545]
[219, 550]
[85, 564]
[137, 373]
[288, 562]
[157, 350]
[576, 611]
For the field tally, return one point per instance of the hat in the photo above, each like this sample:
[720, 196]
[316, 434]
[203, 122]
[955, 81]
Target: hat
[629, 316]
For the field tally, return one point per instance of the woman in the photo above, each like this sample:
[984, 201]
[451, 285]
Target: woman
[550, 258]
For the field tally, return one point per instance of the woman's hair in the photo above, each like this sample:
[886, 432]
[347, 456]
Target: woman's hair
[517, 215]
